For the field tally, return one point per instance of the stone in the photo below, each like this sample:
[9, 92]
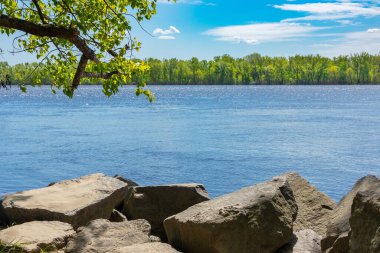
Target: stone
[156, 203]
[103, 236]
[4, 221]
[116, 216]
[365, 221]
[155, 247]
[129, 182]
[256, 219]
[339, 223]
[37, 236]
[154, 238]
[76, 201]
[305, 241]
[341, 244]
[314, 207]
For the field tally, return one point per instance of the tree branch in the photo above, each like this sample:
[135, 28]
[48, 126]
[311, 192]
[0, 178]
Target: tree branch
[86, 50]
[80, 71]
[48, 30]
[44, 30]
[35, 2]
[54, 31]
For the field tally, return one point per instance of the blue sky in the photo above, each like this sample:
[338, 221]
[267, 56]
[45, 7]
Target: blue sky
[207, 28]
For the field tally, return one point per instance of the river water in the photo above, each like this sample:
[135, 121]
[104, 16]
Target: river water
[225, 137]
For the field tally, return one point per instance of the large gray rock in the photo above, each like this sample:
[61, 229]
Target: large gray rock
[365, 221]
[76, 201]
[305, 241]
[156, 203]
[256, 219]
[37, 236]
[314, 207]
[155, 247]
[103, 236]
[337, 235]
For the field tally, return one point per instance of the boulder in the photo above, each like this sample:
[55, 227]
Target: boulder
[37, 236]
[314, 207]
[3, 217]
[305, 241]
[339, 227]
[155, 247]
[103, 236]
[341, 244]
[256, 219]
[76, 201]
[156, 203]
[365, 221]
[129, 182]
[116, 216]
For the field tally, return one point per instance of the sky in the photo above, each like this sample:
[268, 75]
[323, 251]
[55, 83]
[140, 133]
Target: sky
[208, 28]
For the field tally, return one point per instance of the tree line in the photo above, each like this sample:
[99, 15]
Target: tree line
[225, 70]
[257, 69]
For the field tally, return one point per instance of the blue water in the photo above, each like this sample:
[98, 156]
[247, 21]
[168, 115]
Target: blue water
[225, 137]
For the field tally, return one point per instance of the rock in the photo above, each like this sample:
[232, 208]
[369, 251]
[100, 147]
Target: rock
[129, 182]
[154, 238]
[103, 236]
[37, 236]
[51, 184]
[3, 217]
[339, 226]
[314, 207]
[76, 201]
[256, 219]
[116, 216]
[341, 244]
[305, 241]
[365, 221]
[156, 203]
[155, 247]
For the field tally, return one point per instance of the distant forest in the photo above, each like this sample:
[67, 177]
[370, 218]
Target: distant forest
[226, 70]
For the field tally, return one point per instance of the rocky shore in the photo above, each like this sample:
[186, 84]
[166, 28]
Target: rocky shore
[102, 214]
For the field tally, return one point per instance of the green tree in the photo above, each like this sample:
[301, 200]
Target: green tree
[80, 39]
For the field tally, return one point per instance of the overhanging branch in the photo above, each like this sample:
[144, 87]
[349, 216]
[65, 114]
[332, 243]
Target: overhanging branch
[60, 32]
[80, 71]
[48, 30]
[41, 30]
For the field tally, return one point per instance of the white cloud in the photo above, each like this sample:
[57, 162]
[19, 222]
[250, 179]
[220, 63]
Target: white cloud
[343, 12]
[373, 30]
[166, 37]
[354, 42]
[160, 31]
[331, 11]
[166, 34]
[262, 32]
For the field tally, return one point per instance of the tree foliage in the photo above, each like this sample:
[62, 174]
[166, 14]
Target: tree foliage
[253, 69]
[257, 69]
[77, 39]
